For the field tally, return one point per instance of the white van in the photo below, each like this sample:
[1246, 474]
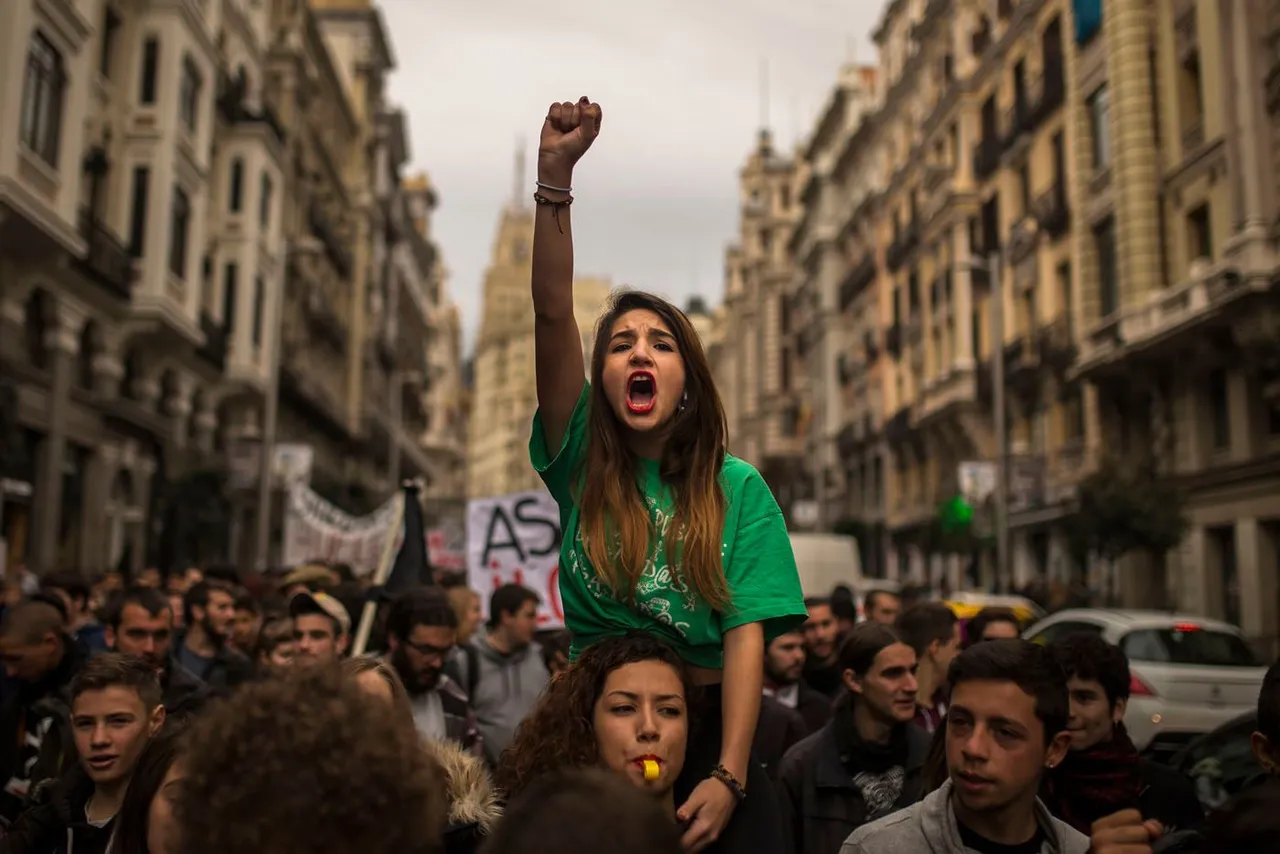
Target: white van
[825, 560]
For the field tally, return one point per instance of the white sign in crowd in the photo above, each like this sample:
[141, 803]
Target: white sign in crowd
[516, 539]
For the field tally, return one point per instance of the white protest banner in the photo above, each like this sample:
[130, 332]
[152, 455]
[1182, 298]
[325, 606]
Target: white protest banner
[516, 539]
[315, 530]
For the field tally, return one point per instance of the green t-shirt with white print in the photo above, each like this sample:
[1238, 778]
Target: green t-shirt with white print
[759, 566]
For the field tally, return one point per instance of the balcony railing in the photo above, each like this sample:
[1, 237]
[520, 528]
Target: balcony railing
[1055, 346]
[1051, 211]
[870, 348]
[232, 105]
[327, 233]
[898, 429]
[986, 158]
[901, 247]
[893, 340]
[106, 260]
[847, 441]
[1017, 122]
[1052, 93]
[859, 277]
[214, 348]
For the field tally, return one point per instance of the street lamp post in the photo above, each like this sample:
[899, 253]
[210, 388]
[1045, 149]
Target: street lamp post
[992, 267]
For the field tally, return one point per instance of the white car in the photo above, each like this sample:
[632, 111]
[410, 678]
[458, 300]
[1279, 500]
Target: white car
[1188, 675]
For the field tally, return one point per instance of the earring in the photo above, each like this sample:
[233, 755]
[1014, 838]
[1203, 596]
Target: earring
[684, 399]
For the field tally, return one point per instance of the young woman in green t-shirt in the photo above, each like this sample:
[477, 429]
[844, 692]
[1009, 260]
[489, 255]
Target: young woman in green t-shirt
[663, 531]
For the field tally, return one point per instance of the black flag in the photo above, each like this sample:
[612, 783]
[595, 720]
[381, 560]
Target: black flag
[411, 568]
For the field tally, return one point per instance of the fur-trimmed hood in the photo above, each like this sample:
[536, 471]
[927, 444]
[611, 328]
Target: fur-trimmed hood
[473, 800]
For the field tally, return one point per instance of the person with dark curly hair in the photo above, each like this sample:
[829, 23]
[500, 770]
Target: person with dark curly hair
[994, 623]
[575, 811]
[306, 764]
[623, 705]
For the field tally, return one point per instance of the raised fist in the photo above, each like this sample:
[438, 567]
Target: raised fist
[567, 133]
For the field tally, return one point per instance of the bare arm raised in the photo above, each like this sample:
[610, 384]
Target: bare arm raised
[567, 133]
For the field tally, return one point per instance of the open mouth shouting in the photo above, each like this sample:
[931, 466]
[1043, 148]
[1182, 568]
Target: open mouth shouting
[642, 392]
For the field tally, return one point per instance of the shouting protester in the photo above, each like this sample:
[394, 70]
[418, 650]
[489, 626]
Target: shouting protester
[663, 531]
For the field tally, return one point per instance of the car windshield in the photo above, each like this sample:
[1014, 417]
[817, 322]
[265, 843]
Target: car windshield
[1188, 645]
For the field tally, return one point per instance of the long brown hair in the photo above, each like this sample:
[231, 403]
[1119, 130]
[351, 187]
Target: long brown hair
[616, 528]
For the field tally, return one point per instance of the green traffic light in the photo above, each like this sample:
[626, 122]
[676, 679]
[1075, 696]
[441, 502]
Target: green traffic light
[956, 513]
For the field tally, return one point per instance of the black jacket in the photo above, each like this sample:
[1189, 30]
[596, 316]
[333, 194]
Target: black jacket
[814, 707]
[227, 670]
[184, 693]
[55, 822]
[777, 729]
[24, 708]
[821, 804]
[1169, 797]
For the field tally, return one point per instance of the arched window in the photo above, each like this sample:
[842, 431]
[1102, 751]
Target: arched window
[42, 95]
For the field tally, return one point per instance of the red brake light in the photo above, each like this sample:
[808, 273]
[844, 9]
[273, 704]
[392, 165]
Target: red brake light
[1138, 688]
[1185, 627]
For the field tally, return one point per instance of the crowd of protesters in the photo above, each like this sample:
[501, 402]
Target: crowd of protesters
[695, 702]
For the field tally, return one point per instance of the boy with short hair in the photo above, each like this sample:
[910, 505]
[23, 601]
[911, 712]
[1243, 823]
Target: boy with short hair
[115, 710]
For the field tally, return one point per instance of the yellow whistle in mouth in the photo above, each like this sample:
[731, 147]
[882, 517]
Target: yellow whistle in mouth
[650, 770]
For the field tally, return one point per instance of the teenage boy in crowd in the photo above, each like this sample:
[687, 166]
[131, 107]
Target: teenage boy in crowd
[868, 760]
[115, 710]
[1006, 725]
[1102, 772]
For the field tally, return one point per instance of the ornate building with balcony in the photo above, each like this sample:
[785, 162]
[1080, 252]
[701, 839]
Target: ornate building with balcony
[833, 380]
[118, 340]
[965, 155]
[758, 382]
[1179, 309]
[326, 208]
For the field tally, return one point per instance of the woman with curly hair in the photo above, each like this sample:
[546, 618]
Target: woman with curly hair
[663, 530]
[623, 706]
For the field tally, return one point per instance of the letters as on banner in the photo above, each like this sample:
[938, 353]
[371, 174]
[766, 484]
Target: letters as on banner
[516, 539]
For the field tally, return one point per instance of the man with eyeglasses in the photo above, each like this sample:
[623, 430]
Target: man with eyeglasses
[422, 629]
[140, 622]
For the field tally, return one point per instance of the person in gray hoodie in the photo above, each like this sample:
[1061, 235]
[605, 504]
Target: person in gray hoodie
[1006, 725]
[502, 670]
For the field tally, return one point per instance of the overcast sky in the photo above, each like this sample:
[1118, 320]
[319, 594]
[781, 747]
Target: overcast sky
[680, 83]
